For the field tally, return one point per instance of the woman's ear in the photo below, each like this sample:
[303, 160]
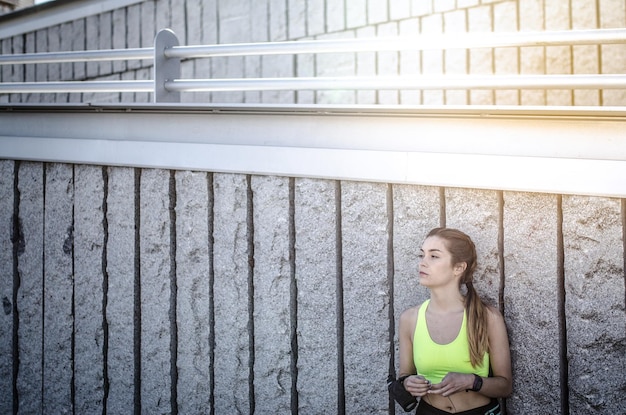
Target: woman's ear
[460, 268]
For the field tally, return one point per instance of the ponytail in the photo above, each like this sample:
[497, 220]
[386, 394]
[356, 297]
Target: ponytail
[477, 335]
[463, 249]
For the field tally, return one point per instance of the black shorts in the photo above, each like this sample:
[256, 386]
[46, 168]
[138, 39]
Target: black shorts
[492, 408]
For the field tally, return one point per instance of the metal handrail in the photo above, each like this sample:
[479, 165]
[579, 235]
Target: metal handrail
[425, 82]
[418, 42]
[76, 86]
[167, 54]
[78, 56]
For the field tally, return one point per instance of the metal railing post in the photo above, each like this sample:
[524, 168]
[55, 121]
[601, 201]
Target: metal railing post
[165, 69]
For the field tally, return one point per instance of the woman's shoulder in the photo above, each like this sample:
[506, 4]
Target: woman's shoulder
[493, 312]
[410, 313]
[494, 316]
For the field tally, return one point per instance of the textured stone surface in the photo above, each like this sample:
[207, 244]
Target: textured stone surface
[531, 310]
[58, 288]
[593, 270]
[316, 275]
[193, 281]
[596, 323]
[156, 290]
[232, 295]
[30, 291]
[366, 298]
[120, 269]
[476, 213]
[415, 212]
[272, 298]
[89, 286]
[6, 286]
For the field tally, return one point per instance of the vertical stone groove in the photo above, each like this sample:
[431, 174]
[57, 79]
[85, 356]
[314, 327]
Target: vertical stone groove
[341, 393]
[623, 217]
[17, 239]
[501, 267]
[211, 243]
[43, 285]
[501, 263]
[390, 288]
[442, 207]
[250, 227]
[105, 290]
[173, 297]
[137, 298]
[73, 299]
[293, 298]
[563, 365]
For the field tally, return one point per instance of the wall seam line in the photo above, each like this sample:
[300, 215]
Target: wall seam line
[70, 237]
[442, 207]
[18, 244]
[211, 244]
[250, 242]
[561, 299]
[390, 287]
[137, 297]
[173, 296]
[623, 220]
[502, 268]
[105, 290]
[43, 288]
[341, 395]
[293, 298]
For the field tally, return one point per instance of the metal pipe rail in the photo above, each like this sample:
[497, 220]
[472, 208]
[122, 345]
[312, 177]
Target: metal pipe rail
[78, 56]
[418, 42]
[167, 54]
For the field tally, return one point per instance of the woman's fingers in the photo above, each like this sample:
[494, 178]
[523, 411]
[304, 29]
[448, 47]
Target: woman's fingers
[417, 385]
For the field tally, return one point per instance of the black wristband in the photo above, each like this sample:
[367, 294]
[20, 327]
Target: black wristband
[478, 383]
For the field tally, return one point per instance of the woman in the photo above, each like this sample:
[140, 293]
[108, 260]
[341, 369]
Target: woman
[454, 349]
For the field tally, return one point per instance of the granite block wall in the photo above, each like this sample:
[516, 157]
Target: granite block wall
[144, 290]
[156, 291]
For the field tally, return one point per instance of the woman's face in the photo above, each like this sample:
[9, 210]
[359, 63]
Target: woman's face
[436, 266]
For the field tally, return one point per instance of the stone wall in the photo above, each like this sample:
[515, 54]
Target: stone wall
[190, 292]
[156, 291]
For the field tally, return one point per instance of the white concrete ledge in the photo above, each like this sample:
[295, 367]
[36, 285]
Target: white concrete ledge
[555, 150]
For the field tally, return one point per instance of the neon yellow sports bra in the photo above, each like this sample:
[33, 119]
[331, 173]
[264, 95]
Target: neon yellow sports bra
[434, 361]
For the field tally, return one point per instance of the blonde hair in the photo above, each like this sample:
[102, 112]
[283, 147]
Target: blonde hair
[462, 249]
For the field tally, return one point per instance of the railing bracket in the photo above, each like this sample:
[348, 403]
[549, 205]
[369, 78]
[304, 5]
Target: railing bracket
[165, 69]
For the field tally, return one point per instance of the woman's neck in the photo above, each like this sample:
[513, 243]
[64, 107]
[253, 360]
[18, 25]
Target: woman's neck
[442, 300]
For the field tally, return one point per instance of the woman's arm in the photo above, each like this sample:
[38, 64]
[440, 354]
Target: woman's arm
[415, 385]
[499, 385]
[405, 337]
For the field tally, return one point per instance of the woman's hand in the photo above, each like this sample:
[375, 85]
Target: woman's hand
[453, 383]
[417, 385]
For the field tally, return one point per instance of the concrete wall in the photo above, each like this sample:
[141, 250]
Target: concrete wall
[155, 291]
